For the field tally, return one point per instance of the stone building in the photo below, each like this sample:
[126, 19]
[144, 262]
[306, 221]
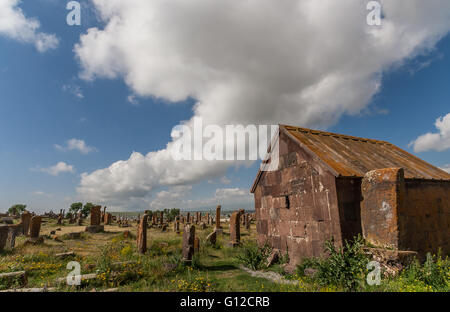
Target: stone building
[335, 186]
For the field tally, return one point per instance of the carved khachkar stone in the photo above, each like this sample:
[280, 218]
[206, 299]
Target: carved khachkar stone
[188, 218]
[212, 238]
[235, 233]
[95, 226]
[161, 218]
[26, 219]
[247, 221]
[142, 235]
[95, 215]
[218, 227]
[188, 242]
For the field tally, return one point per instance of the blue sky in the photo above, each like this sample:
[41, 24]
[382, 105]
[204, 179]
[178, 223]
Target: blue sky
[44, 102]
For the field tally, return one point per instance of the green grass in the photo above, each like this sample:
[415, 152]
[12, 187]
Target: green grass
[214, 268]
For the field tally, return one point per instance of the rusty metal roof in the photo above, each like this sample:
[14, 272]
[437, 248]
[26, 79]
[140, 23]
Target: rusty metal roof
[351, 156]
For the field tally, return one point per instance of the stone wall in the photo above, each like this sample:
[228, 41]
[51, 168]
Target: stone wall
[404, 214]
[424, 218]
[296, 206]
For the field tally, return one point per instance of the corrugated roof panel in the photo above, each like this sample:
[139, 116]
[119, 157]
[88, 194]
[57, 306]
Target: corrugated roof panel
[353, 156]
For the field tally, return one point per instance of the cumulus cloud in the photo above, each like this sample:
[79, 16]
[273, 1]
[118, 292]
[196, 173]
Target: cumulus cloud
[438, 141]
[446, 168]
[260, 61]
[177, 197]
[14, 25]
[76, 144]
[60, 167]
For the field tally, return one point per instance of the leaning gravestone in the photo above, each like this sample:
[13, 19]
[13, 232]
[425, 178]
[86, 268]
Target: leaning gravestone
[95, 226]
[188, 243]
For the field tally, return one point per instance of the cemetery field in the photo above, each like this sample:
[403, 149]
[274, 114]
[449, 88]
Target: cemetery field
[114, 259]
[110, 261]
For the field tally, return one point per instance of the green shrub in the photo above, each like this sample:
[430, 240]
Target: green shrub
[434, 272]
[343, 267]
[254, 257]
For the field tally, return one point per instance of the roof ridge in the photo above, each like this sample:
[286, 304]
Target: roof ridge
[325, 133]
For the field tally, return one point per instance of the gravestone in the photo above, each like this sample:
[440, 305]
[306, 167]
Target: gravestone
[95, 226]
[26, 219]
[188, 218]
[3, 236]
[188, 243]
[108, 218]
[218, 227]
[177, 227]
[35, 229]
[247, 222]
[142, 235]
[235, 233]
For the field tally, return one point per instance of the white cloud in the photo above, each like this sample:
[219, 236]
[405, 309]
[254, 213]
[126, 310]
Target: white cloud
[438, 141]
[132, 99]
[14, 25]
[39, 193]
[446, 168]
[60, 167]
[260, 61]
[178, 197]
[225, 180]
[75, 144]
[73, 89]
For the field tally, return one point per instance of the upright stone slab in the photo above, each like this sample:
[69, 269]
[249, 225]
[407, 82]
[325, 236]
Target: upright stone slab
[3, 236]
[188, 218]
[235, 231]
[188, 243]
[95, 226]
[142, 235]
[247, 221]
[383, 194]
[12, 233]
[218, 227]
[26, 219]
[35, 229]
[95, 215]
[108, 218]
